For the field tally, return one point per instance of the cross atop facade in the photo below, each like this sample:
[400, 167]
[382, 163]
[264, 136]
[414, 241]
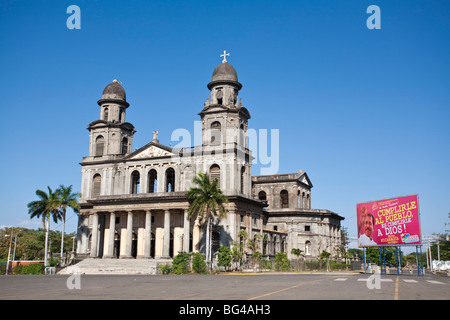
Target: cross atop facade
[224, 55]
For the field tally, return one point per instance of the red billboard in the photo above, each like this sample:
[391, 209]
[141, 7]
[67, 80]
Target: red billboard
[389, 222]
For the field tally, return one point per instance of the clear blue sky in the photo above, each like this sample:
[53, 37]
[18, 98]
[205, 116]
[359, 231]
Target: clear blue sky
[366, 113]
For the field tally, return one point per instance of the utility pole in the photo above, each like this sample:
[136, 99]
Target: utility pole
[14, 254]
[438, 240]
[9, 252]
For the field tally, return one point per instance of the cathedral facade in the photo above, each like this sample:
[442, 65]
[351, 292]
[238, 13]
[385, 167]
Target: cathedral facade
[134, 204]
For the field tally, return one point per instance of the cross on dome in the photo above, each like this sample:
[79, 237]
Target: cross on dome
[224, 55]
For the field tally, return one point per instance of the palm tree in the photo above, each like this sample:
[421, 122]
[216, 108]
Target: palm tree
[207, 203]
[46, 207]
[67, 198]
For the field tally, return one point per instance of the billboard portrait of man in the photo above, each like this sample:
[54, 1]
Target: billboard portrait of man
[365, 238]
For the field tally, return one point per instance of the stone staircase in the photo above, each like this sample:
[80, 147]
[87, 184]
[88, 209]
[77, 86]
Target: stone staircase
[115, 266]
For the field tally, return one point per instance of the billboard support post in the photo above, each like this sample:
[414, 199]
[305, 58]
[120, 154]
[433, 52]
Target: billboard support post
[398, 256]
[419, 261]
[365, 259]
[382, 260]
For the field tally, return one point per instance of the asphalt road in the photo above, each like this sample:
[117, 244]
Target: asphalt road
[226, 287]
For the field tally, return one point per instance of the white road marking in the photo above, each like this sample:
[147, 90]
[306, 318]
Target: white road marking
[382, 280]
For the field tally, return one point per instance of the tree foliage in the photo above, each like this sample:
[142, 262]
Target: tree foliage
[30, 243]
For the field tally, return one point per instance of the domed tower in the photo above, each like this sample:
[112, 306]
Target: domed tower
[224, 118]
[111, 135]
[224, 85]
[224, 132]
[113, 103]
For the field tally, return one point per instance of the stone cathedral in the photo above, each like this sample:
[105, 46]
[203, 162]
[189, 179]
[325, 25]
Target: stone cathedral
[134, 203]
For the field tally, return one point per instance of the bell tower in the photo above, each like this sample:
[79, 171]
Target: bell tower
[111, 136]
[224, 118]
[224, 132]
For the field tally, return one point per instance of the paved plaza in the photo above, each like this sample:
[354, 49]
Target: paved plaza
[251, 287]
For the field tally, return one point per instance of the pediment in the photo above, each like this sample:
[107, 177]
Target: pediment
[150, 151]
[305, 179]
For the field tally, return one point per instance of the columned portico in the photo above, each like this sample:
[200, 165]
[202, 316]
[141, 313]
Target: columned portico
[144, 232]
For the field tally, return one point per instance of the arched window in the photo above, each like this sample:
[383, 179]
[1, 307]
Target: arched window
[242, 179]
[99, 146]
[214, 174]
[121, 115]
[262, 197]
[219, 96]
[284, 199]
[96, 185]
[241, 136]
[170, 180]
[152, 181]
[105, 114]
[216, 135]
[135, 182]
[124, 145]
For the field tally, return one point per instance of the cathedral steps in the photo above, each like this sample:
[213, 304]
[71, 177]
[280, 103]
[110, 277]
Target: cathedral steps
[115, 266]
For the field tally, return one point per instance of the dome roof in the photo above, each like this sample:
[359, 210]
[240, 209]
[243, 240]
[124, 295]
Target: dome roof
[114, 91]
[224, 72]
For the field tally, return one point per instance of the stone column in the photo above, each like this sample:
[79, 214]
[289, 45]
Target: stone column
[148, 234]
[166, 241]
[187, 228]
[129, 238]
[94, 239]
[112, 228]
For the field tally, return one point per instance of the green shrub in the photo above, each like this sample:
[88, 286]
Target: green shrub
[18, 270]
[265, 264]
[198, 263]
[313, 265]
[53, 262]
[2, 267]
[224, 257]
[180, 263]
[165, 268]
[37, 268]
[339, 266]
[282, 262]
